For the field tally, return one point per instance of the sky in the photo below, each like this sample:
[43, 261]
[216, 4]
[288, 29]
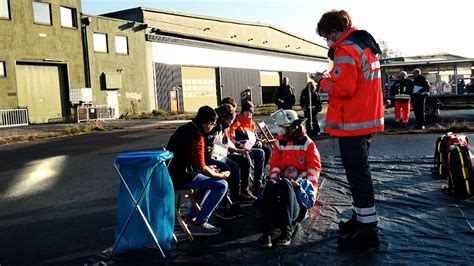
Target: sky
[410, 28]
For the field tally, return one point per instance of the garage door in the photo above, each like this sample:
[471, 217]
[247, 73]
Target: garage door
[39, 90]
[199, 87]
[270, 81]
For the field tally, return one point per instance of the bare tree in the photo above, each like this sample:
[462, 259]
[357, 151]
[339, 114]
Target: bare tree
[388, 52]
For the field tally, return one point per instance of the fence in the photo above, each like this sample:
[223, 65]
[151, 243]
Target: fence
[99, 112]
[13, 117]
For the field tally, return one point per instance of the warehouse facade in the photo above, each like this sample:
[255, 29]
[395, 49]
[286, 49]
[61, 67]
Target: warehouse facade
[199, 60]
[138, 60]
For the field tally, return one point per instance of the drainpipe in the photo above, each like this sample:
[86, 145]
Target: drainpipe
[85, 47]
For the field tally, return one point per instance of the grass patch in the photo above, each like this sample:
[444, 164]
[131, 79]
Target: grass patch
[73, 130]
[265, 109]
[455, 127]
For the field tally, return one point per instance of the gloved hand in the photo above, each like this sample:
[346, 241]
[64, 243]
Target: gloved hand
[318, 76]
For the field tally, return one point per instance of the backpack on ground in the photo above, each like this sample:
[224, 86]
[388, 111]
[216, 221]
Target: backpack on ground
[443, 143]
[459, 171]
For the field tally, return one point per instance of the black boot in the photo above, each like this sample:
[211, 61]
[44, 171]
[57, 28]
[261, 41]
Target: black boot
[349, 226]
[365, 236]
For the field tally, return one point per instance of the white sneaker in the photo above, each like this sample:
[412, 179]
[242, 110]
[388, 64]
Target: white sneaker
[205, 229]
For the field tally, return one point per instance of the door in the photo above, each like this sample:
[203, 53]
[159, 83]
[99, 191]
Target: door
[270, 81]
[39, 90]
[199, 87]
[112, 101]
[174, 101]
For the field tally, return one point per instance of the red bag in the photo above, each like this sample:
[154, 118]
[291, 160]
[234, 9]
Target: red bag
[443, 143]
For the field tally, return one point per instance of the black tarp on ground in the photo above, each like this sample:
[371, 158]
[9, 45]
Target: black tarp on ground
[419, 224]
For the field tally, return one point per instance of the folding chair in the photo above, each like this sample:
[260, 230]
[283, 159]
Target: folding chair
[145, 189]
[265, 133]
[189, 193]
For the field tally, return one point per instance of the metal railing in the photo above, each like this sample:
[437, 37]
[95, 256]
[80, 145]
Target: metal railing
[13, 117]
[95, 112]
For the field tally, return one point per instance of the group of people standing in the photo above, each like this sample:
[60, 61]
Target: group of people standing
[310, 102]
[355, 112]
[406, 90]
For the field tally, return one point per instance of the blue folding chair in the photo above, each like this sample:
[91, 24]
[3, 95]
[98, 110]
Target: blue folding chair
[145, 204]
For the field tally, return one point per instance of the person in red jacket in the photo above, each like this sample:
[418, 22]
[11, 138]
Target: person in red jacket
[287, 202]
[294, 148]
[355, 111]
[240, 133]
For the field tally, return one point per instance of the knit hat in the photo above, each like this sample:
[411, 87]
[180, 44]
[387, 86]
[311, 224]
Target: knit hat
[247, 106]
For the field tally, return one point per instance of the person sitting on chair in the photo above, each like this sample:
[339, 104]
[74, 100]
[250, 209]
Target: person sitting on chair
[188, 169]
[236, 160]
[239, 134]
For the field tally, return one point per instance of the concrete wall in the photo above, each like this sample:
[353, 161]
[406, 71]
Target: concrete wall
[131, 68]
[21, 40]
[221, 30]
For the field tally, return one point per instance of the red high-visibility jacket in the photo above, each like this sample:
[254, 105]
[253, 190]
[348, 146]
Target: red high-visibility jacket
[301, 153]
[354, 89]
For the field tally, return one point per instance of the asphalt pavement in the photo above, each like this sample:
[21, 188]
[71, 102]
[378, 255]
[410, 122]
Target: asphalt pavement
[58, 202]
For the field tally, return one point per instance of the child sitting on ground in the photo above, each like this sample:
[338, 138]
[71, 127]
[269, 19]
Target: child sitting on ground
[285, 201]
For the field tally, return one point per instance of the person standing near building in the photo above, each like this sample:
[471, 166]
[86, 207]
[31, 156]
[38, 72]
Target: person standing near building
[421, 89]
[311, 104]
[355, 112]
[284, 96]
[402, 87]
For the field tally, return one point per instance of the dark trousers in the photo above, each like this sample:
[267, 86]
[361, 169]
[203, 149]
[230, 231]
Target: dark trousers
[418, 101]
[244, 164]
[315, 129]
[280, 206]
[355, 159]
[260, 156]
[268, 154]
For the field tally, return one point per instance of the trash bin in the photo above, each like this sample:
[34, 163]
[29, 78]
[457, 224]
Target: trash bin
[145, 203]
[92, 113]
[245, 95]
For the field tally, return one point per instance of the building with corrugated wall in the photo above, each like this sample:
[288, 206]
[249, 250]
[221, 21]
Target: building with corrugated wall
[198, 60]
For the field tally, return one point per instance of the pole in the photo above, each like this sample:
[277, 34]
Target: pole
[310, 108]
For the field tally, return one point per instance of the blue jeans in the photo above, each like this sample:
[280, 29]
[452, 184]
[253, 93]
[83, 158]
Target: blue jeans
[210, 192]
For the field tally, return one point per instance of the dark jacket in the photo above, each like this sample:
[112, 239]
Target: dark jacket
[402, 89]
[315, 101]
[284, 97]
[181, 167]
[422, 82]
[210, 137]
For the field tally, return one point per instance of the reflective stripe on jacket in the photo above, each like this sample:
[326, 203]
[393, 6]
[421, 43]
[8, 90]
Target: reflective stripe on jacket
[354, 89]
[301, 153]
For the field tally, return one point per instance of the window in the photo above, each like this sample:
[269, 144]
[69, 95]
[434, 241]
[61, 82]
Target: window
[3, 73]
[42, 13]
[100, 43]
[68, 17]
[4, 9]
[121, 45]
